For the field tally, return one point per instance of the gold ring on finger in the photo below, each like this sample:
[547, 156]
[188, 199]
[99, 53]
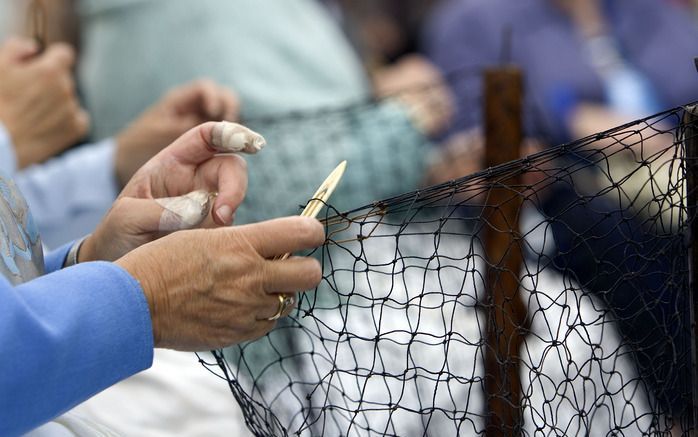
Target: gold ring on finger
[285, 302]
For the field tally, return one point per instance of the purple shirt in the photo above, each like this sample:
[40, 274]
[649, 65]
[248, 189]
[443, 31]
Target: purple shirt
[657, 40]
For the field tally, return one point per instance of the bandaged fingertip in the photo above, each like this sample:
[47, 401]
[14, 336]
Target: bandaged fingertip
[184, 212]
[234, 138]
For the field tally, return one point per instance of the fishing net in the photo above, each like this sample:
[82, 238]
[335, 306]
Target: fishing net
[546, 296]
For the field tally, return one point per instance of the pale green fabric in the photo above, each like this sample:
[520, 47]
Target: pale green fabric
[280, 56]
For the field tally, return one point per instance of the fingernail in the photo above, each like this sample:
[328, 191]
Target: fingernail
[225, 214]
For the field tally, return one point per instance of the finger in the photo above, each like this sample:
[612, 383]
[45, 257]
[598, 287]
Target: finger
[184, 212]
[58, 55]
[229, 180]
[233, 138]
[18, 49]
[183, 123]
[203, 142]
[285, 235]
[293, 299]
[231, 105]
[210, 100]
[82, 123]
[291, 275]
[139, 216]
[196, 98]
[281, 304]
[163, 215]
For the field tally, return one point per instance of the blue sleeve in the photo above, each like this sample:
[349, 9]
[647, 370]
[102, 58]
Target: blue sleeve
[69, 194]
[55, 259]
[8, 160]
[66, 336]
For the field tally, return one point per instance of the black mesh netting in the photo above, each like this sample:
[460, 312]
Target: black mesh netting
[545, 296]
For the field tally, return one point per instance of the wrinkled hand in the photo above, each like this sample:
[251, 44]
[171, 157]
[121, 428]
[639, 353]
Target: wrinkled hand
[212, 288]
[38, 105]
[418, 85]
[176, 190]
[178, 111]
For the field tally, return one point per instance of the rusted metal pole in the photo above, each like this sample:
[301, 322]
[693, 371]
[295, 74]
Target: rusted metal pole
[506, 321]
[691, 149]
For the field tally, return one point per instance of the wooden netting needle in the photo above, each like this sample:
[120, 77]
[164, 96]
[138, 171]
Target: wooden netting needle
[322, 195]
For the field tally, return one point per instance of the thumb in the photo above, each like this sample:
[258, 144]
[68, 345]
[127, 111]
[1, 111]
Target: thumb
[184, 212]
[167, 214]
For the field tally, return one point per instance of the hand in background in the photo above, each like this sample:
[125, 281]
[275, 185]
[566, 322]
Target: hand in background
[178, 111]
[418, 85]
[588, 119]
[38, 105]
[213, 288]
[176, 189]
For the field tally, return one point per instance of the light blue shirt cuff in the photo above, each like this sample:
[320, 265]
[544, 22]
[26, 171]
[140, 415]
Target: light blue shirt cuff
[55, 259]
[8, 159]
[68, 195]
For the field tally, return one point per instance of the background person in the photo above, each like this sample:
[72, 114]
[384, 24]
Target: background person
[42, 117]
[589, 65]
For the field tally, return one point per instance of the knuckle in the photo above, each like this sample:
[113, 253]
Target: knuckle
[120, 204]
[263, 274]
[83, 121]
[64, 52]
[78, 123]
[205, 82]
[49, 70]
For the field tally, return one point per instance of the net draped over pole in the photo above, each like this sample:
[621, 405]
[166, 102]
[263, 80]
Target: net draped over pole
[395, 340]
[506, 322]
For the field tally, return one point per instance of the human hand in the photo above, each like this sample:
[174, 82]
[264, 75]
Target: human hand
[175, 191]
[588, 119]
[462, 154]
[418, 85]
[38, 105]
[179, 110]
[212, 288]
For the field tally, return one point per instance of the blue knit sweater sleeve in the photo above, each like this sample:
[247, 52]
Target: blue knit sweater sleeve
[66, 336]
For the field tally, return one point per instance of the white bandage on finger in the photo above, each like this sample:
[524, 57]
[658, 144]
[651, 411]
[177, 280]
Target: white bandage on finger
[184, 212]
[234, 138]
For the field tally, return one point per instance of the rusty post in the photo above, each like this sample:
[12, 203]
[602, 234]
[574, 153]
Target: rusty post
[506, 310]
